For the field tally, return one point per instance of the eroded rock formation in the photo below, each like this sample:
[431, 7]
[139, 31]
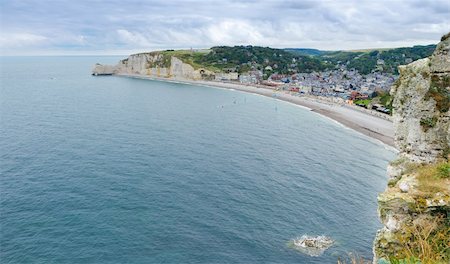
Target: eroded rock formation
[100, 69]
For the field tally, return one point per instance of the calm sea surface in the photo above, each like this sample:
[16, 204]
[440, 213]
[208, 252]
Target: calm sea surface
[120, 170]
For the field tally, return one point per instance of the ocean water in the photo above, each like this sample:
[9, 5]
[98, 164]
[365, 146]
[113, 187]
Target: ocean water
[121, 170]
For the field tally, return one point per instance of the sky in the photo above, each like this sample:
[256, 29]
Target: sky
[119, 27]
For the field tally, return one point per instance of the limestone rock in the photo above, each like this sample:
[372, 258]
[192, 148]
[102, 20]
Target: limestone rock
[421, 107]
[312, 245]
[404, 187]
[422, 135]
[160, 65]
[440, 61]
[392, 223]
[398, 209]
[100, 69]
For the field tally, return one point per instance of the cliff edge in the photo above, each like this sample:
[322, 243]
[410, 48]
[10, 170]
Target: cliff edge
[415, 207]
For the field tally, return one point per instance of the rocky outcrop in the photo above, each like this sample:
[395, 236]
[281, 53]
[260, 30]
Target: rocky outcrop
[418, 191]
[100, 69]
[311, 245]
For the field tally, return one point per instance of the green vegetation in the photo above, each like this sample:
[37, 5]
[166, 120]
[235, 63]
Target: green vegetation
[428, 123]
[163, 62]
[438, 91]
[385, 99]
[306, 52]
[288, 61]
[428, 242]
[366, 61]
[365, 102]
[398, 161]
[410, 260]
[423, 238]
[246, 58]
[443, 171]
[433, 178]
[194, 58]
[446, 153]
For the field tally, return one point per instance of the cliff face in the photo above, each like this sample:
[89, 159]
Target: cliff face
[418, 193]
[155, 64]
[421, 118]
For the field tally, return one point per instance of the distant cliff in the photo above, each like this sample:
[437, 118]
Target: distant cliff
[415, 208]
[162, 64]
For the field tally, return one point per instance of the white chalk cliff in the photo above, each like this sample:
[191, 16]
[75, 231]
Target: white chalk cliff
[159, 65]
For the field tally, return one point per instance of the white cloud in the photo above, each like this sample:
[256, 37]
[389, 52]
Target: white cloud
[12, 40]
[432, 28]
[133, 38]
[234, 32]
[161, 24]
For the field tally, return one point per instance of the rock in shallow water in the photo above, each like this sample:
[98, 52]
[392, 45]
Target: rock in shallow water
[312, 245]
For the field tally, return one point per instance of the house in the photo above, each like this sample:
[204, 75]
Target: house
[251, 77]
[305, 89]
[231, 76]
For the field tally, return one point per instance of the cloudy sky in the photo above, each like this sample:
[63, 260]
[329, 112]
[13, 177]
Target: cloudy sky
[126, 26]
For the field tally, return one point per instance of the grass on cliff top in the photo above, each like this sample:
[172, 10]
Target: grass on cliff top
[426, 239]
[428, 243]
[434, 178]
[192, 58]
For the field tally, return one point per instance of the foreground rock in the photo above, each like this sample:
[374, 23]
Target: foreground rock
[417, 200]
[421, 118]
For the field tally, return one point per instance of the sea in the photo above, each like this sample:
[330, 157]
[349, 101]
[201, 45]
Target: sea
[112, 169]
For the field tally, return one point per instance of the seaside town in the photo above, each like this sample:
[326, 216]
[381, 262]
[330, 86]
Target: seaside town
[348, 85]
[359, 78]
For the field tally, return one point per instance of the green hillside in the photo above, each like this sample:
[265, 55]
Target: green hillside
[366, 61]
[288, 61]
[246, 58]
[306, 52]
